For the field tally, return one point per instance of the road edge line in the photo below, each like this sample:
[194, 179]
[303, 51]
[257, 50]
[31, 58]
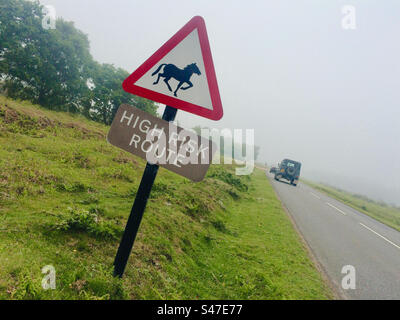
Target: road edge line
[332, 206]
[315, 195]
[351, 207]
[384, 238]
[338, 295]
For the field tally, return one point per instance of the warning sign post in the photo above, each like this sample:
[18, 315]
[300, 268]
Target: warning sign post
[135, 217]
[180, 75]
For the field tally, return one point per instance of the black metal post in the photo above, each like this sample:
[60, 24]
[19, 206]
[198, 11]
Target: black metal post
[132, 226]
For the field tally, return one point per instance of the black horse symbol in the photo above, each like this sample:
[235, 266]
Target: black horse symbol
[172, 71]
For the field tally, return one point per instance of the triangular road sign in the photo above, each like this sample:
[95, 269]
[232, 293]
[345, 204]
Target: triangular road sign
[181, 73]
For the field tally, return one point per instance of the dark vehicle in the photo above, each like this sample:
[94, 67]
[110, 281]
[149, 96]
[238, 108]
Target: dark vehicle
[289, 170]
[273, 170]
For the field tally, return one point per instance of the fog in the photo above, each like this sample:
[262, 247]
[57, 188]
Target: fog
[311, 90]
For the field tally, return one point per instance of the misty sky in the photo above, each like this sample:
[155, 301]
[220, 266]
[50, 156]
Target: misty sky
[313, 92]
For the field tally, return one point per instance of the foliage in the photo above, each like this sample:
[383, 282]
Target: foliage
[52, 68]
[230, 179]
[84, 220]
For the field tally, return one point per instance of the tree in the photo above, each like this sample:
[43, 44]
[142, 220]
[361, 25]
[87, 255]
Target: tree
[107, 93]
[52, 67]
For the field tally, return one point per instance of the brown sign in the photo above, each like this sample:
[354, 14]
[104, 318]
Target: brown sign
[161, 142]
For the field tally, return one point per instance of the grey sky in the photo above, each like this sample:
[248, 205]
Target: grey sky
[312, 91]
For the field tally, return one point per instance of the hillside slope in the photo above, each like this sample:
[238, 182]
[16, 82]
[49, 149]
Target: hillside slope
[65, 195]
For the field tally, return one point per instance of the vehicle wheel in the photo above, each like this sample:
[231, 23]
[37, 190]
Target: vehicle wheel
[290, 171]
[295, 184]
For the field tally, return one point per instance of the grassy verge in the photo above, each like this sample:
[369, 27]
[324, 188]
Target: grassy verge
[378, 210]
[65, 195]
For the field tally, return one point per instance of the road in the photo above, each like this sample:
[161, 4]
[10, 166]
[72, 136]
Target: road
[338, 236]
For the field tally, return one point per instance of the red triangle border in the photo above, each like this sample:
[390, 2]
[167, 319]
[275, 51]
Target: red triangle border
[129, 83]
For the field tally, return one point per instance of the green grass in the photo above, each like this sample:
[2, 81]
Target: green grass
[380, 211]
[65, 195]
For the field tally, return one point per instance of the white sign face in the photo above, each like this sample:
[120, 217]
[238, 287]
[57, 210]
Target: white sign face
[181, 74]
[182, 56]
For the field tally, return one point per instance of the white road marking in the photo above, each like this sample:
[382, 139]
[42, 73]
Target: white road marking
[315, 195]
[342, 212]
[398, 247]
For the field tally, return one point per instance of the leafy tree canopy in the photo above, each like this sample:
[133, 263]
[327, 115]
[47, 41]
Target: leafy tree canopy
[54, 67]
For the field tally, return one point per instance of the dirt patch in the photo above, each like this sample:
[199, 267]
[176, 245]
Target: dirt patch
[11, 115]
[123, 159]
[87, 133]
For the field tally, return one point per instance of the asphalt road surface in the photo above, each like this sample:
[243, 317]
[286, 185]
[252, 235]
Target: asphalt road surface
[339, 235]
